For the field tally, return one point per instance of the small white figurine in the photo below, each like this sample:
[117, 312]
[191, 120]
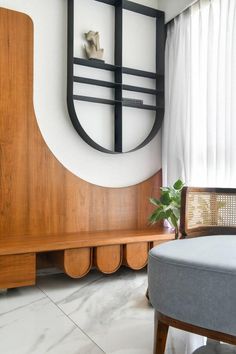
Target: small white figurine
[93, 50]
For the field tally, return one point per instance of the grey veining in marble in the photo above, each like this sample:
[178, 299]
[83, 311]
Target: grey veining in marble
[61, 289]
[113, 311]
[15, 299]
[93, 315]
[40, 327]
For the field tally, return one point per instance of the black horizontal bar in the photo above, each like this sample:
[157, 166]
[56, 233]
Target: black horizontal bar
[88, 81]
[109, 2]
[113, 102]
[94, 99]
[101, 65]
[143, 106]
[95, 64]
[134, 7]
[85, 80]
[142, 73]
[141, 9]
[139, 89]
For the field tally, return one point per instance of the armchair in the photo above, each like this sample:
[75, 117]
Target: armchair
[192, 281]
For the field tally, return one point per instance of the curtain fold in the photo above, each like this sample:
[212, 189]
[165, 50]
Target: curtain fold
[199, 132]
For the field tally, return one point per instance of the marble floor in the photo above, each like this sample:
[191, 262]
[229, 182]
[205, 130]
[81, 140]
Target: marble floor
[94, 315]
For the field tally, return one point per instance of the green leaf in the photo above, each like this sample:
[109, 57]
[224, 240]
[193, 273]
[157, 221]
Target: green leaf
[152, 219]
[176, 212]
[174, 221]
[165, 189]
[154, 201]
[160, 214]
[157, 215]
[168, 213]
[165, 198]
[178, 185]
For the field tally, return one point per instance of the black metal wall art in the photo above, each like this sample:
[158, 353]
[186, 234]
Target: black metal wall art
[118, 70]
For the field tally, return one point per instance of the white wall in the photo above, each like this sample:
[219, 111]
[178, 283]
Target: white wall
[50, 56]
[173, 7]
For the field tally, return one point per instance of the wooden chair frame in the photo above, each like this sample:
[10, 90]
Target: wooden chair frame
[162, 322]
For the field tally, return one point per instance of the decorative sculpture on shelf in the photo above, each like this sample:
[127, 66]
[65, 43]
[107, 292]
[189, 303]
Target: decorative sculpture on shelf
[93, 50]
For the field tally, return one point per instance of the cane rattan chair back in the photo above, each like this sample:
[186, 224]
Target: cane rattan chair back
[208, 211]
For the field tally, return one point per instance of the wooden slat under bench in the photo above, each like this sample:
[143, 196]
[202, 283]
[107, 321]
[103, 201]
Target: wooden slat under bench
[45, 243]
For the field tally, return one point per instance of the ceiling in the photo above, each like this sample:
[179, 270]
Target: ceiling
[173, 7]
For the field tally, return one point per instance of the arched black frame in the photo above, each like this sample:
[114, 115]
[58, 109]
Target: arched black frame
[119, 70]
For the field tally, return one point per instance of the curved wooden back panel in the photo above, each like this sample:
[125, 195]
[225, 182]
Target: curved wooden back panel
[38, 195]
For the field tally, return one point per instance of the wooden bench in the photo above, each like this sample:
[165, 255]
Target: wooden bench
[77, 253]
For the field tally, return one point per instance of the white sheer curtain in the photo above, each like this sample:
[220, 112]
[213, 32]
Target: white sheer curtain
[199, 135]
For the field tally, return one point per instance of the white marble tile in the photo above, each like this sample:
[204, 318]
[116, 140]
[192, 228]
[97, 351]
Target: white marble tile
[112, 310]
[60, 288]
[40, 328]
[18, 298]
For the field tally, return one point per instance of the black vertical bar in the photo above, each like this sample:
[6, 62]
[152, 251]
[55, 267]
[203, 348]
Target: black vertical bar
[160, 68]
[118, 75]
[160, 45]
[70, 50]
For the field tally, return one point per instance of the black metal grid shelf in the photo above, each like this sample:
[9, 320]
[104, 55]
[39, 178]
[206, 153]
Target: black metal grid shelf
[119, 71]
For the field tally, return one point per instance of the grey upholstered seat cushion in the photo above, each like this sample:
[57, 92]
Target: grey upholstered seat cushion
[194, 281]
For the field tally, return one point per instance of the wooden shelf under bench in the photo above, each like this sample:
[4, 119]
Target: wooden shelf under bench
[77, 253]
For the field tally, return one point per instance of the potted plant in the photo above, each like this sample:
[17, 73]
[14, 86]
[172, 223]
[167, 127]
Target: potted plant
[168, 206]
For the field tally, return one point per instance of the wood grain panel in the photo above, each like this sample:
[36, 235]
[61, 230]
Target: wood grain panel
[74, 262]
[17, 270]
[136, 255]
[43, 206]
[108, 259]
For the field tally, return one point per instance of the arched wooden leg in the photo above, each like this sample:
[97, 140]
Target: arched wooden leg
[160, 335]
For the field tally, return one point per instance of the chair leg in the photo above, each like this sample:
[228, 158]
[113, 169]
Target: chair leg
[160, 335]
